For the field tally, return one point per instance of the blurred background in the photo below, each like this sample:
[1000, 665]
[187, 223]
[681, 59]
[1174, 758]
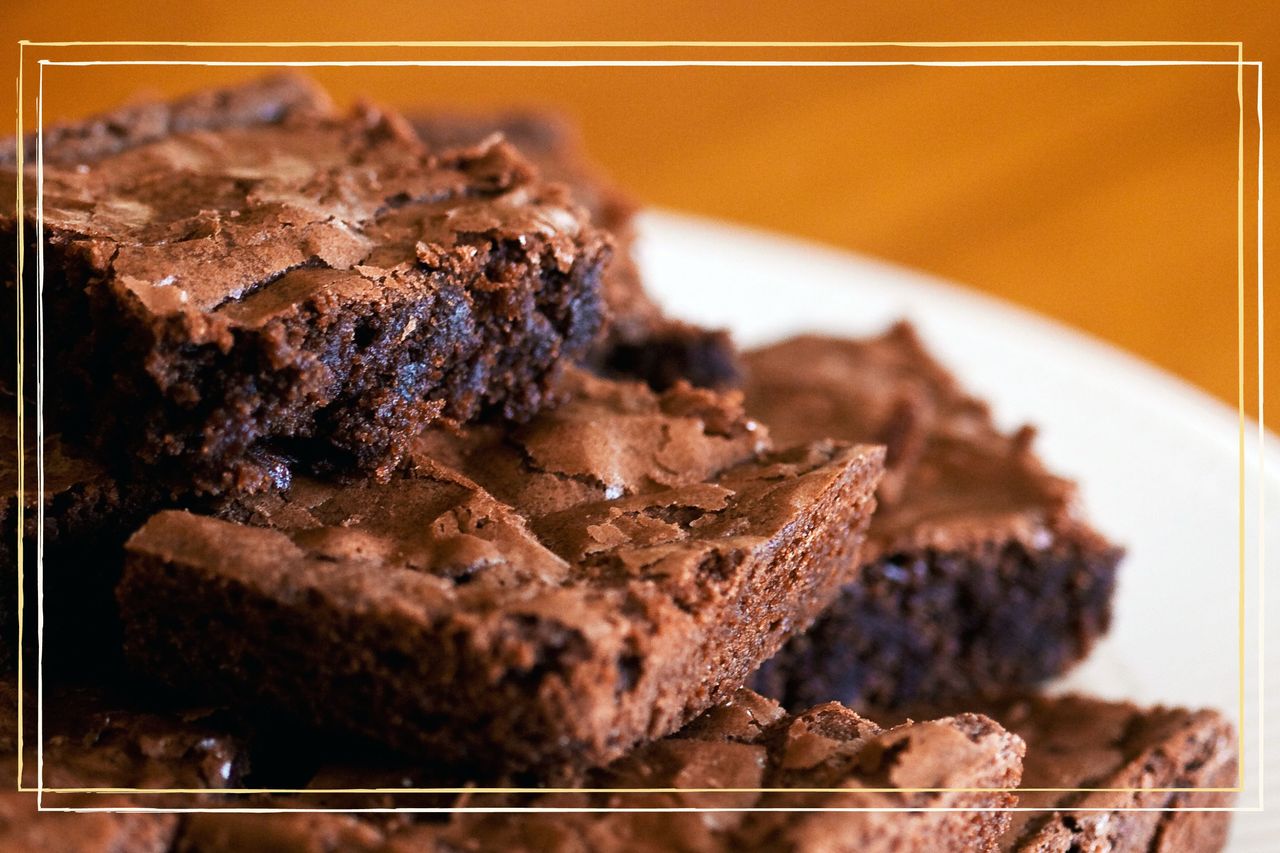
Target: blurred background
[1103, 197]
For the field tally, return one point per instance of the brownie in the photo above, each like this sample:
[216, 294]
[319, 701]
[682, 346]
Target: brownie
[1080, 742]
[247, 278]
[744, 742]
[641, 341]
[88, 514]
[521, 598]
[979, 577]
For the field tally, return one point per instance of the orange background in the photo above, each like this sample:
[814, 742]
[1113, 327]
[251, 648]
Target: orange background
[1104, 197]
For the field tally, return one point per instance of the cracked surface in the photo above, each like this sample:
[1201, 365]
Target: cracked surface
[1076, 741]
[979, 574]
[250, 273]
[641, 342]
[533, 599]
[745, 741]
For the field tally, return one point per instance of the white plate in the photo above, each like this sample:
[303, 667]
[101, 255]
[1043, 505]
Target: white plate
[1158, 461]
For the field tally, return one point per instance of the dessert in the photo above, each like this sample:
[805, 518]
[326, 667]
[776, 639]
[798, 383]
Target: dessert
[1079, 742]
[641, 340]
[979, 574]
[88, 514]
[744, 742]
[246, 277]
[536, 598]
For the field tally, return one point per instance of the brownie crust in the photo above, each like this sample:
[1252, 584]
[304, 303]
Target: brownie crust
[745, 742]
[536, 599]
[979, 574]
[248, 275]
[641, 341]
[1079, 742]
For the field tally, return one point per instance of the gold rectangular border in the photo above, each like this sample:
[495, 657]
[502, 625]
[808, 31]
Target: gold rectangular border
[1240, 65]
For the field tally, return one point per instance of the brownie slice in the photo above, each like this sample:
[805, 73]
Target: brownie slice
[88, 514]
[234, 282]
[524, 599]
[1079, 742]
[641, 341]
[979, 574]
[744, 742]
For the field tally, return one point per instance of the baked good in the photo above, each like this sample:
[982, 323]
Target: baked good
[980, 576]
[641, 340]
[527, 599]
[88, 514]
[746, 741]
[1080, 742]
[246, 277]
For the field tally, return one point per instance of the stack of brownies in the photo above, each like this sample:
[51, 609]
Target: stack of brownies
[369, 465]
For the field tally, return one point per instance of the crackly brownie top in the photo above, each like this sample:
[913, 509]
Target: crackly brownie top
[953, 478]
[246, 212]
[550, 140]
[749, 741]
[618, 482]
[744, 742]
[556, 147]
[619, 506]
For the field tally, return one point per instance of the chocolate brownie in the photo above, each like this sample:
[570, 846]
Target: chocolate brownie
[88, 514]
[744, 742]
[1078, 742]
[979, 574]
[250, 275]
[522, 598]
[641, 341]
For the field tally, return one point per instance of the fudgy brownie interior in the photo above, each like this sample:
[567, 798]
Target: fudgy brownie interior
[250, 277]
[641, 341]
[979, 576]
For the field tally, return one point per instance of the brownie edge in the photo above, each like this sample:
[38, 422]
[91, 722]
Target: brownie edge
[239, 290]
[530, 600]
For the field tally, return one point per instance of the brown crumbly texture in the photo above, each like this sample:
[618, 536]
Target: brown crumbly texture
[641, 341]
[979, 575]
[526, 599]
[746, 741]
[88, 514]
[1077, 742]
[249, 277]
